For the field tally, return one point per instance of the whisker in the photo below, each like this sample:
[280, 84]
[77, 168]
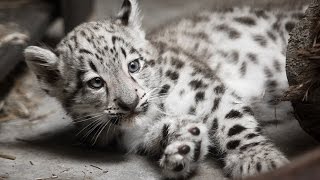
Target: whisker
[109, 128]
[91, 123]
[165, 113]
[100, 126]
[152, 90]
[153, 98]
[104, 126]
[92, 129]
[159, 96]
[87, 119]
[94, 114]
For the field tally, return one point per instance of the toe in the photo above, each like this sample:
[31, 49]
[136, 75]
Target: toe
[194, 131]
[184, 149]
[178, 168]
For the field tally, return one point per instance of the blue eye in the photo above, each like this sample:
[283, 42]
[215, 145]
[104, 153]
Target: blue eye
[96, 83]
[134, 66]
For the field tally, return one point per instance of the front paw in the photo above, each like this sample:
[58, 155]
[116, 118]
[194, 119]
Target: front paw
[254, 161]
[180, 159]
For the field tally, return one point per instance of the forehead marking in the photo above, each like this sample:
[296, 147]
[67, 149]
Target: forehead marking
[85, 51]
[123, 52]
[93, 67]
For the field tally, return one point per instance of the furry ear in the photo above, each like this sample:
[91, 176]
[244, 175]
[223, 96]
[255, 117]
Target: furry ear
[129, 14]
[44, 64]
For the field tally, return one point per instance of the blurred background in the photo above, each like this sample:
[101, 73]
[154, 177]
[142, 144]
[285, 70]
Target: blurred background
[36, 136]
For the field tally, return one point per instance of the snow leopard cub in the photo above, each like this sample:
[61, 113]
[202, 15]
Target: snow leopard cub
[177, 92]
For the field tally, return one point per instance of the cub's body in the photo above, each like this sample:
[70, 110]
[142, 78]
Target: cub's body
[182, 90]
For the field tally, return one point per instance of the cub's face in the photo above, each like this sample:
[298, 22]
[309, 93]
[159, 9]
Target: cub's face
[101, 72]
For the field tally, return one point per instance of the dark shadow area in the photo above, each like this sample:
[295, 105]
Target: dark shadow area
[64, 143]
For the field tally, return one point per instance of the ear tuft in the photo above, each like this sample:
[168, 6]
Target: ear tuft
[129, 14]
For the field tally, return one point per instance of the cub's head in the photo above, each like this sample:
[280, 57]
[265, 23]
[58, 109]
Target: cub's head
[101, 71]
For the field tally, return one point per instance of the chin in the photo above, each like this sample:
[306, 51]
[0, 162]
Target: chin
[129, 120]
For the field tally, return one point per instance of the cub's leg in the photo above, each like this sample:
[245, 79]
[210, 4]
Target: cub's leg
[237, 134]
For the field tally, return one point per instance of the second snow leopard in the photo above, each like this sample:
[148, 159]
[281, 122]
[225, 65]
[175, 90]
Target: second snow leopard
[177, 92]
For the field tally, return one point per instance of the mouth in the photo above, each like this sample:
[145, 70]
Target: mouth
[117, 119]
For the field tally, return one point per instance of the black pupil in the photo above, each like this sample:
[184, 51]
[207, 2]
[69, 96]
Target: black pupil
[96, 83]
[134, 66]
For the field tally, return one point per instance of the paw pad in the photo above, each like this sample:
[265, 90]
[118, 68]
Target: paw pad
[178, 168]
[184, 149]
[194, 131]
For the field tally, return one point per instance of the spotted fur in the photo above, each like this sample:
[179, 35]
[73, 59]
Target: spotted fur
[193, 85]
